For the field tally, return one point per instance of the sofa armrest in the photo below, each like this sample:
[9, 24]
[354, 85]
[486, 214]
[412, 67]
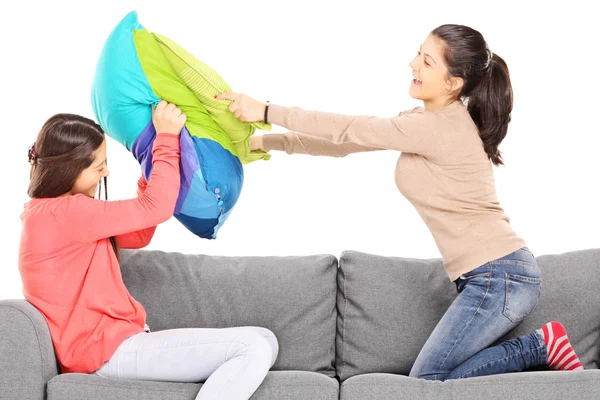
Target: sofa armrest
[27, 359]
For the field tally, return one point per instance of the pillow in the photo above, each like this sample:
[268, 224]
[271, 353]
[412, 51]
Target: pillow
[134, 73]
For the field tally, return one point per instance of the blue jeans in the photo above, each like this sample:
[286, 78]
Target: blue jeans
[493, 299]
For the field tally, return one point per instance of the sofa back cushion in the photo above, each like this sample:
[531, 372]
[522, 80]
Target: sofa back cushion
[388, 307]
[292, 296]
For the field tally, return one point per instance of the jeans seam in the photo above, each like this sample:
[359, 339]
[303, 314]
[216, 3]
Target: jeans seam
[524, 279]
[118, 366]
[496, 361]
[506, 300]
[187, 345]
[518, 262]
[344, 322]
[236, 371]
[487, 289]
[137, 364]
[489, 282]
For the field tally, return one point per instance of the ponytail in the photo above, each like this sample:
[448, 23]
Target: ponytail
[490, 105]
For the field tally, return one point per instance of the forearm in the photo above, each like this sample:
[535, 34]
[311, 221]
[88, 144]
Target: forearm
[298, 143]
[408, 132]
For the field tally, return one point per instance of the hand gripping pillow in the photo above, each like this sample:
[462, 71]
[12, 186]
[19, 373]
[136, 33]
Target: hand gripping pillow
[137, 69]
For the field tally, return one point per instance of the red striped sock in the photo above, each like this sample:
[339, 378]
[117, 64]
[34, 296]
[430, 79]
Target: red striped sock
[561, 354]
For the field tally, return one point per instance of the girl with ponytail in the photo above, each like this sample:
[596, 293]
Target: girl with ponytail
[448, 148]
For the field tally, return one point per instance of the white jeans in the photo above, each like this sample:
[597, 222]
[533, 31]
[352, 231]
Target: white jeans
[232, 362]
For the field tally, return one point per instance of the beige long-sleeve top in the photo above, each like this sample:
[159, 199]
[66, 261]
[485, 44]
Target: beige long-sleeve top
[442, 170]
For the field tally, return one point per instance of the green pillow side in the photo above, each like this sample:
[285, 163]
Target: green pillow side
[204, 83]
[167, 85]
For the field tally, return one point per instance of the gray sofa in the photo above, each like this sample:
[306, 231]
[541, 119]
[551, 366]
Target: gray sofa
[348, 330]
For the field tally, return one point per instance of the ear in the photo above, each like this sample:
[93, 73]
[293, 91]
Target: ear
[456, 84]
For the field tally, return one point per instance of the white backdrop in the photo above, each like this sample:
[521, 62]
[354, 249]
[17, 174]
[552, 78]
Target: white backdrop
[349, 57]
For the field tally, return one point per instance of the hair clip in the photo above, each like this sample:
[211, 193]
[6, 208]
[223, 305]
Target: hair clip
[33, 157]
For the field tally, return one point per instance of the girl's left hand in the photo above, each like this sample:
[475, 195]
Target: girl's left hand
[245, 108]
[257, 143]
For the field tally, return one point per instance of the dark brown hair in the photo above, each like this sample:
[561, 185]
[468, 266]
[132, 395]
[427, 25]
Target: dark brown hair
[64, 148]
[487, 88]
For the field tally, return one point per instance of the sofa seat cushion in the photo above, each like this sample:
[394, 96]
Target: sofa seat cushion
[517, 386]
[280, 385]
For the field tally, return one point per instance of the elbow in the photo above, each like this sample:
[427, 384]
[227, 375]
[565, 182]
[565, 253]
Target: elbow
[159, 213]
[169, 206]
[164, 214]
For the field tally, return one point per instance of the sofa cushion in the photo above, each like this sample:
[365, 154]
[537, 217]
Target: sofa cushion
[388, 307]
[520, 386]
[27, 359]
[283, 385]
[82, 386]
[294, 297]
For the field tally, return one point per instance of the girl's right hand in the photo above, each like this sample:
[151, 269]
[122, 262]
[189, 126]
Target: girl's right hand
[167, 118]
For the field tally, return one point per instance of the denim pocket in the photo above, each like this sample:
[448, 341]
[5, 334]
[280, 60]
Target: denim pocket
[480, 275]
[522, 293]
